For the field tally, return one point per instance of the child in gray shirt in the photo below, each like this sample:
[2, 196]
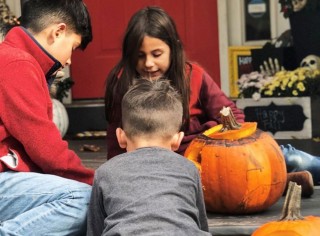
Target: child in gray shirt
[150, 190]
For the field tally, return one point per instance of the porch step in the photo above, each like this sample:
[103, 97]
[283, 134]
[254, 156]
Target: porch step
[86, 115]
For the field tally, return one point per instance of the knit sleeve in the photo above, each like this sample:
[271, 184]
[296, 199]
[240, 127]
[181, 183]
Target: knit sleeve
[213, 99]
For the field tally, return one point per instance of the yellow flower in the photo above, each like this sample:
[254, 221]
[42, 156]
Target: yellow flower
[294, 78]
[296, 83]
[268, 92]
[301, 87]
[285, 81]
[281, 73]
[315, 73]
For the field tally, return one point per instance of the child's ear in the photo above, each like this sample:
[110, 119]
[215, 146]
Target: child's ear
[59, 29]
[122, 138]
[176, 140]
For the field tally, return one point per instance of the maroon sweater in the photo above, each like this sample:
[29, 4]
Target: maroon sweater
[206, 101]
[26, 126]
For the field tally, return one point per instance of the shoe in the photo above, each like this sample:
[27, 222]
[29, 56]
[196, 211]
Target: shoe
[303, 178]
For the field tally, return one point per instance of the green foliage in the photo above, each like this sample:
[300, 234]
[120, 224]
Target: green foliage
[62, 88]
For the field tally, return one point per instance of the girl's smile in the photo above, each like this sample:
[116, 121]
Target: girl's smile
[154, 58]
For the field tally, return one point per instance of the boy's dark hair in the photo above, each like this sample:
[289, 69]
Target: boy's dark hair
[39, 14]
[151, 108]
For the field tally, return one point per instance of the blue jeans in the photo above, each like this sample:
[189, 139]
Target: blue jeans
[41, 204]
[297, 160]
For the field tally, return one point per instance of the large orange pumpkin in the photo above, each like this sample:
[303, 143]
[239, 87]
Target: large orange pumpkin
[291, 222]
[242, 168]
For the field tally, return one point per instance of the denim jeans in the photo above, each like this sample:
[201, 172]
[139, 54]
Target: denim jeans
[297, 160]
[42, 205]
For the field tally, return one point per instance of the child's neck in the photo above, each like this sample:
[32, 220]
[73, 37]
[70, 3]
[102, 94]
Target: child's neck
[142, 142]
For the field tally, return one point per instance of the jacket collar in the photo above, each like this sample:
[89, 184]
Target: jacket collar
[21, 38]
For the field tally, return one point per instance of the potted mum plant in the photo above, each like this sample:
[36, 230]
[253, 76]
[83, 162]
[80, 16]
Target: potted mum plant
[284, 104]
[297, 83]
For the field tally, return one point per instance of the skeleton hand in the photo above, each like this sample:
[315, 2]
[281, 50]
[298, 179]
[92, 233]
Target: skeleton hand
[270, 67]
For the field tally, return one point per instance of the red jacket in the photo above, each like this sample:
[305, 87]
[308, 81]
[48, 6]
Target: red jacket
[26, 126]
[206, 101]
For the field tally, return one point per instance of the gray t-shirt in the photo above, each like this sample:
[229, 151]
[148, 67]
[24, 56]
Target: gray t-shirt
[149, 191]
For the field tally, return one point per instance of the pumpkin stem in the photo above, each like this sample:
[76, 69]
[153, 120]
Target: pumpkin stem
[228, 120]
[292, 203]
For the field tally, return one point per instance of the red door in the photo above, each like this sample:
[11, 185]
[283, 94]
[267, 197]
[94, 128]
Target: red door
[196, 20]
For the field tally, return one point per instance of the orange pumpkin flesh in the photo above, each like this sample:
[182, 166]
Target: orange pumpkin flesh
[291, 222]
[246, 129]
[242, 170]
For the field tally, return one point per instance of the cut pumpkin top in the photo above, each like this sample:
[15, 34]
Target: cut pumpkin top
[246, 129]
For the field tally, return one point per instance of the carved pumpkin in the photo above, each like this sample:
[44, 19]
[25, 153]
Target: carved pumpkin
[291, 222]
[242, 168]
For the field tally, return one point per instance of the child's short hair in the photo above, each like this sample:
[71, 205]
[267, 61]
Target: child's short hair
[39, 14]
[151, 108]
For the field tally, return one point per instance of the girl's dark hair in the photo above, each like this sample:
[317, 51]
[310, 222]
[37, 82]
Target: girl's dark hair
[38, 14]
[153, 22]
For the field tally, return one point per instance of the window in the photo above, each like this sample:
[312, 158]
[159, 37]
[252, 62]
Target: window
[257, 20]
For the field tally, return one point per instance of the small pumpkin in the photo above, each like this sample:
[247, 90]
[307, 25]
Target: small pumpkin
[60, 116]
[291, 222]
[242, 168]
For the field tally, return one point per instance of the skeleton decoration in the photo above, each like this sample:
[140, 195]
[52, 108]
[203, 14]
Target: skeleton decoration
[311, 61]
[298, 5]
[6, 16]
[270, 67]
[54, 86]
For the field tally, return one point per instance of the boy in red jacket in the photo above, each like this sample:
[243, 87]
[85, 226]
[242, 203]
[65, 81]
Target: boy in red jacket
[44, 187]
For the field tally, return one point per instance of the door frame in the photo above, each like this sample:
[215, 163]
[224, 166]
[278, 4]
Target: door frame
[231, 32]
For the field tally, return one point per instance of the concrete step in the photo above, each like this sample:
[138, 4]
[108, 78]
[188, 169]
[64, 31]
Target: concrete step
[86, 115]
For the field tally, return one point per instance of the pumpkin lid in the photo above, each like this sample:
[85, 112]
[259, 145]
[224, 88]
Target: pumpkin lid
[230, 129]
